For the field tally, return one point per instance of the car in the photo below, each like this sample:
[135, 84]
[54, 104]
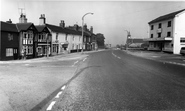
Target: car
[182, 51]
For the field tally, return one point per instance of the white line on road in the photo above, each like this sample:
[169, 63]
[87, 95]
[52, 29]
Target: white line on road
[84, 59]
[119, 57]
[51, 105]
[74, 63]
[58, 95]
[63, 87]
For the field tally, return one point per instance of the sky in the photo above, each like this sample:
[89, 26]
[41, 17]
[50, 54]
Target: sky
[110, 18]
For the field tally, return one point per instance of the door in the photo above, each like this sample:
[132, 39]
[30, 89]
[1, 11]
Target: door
[15, 53]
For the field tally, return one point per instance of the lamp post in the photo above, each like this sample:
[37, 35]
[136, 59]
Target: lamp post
[83, 26]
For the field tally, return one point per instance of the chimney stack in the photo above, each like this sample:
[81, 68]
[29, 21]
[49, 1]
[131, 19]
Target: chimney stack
[22, 18]
[85, 27]
[91, 29]
[9, 21]
[62, 24]
[42, 19]
[76, 27]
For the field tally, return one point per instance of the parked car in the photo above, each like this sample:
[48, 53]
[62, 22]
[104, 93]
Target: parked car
[182, 51]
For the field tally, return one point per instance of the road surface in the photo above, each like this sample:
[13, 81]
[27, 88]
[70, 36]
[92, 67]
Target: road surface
[115, 80]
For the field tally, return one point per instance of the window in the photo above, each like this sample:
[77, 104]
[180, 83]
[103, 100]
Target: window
[10, 37]
[152, 27]
[169, 23]
[159, 25]
[182, 40]
[168, 34]
[151, 36]
[9, 52]
[30, 50]
[159, 34]
[56, 36]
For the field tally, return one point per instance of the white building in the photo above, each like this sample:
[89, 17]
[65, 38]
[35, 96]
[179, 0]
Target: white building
[167, 33]
[63, 39]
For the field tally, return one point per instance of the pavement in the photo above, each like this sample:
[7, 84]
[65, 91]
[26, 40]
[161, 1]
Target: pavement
[176, 59]
[61, 57]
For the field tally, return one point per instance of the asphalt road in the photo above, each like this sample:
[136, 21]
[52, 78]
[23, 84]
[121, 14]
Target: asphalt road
[114, 80]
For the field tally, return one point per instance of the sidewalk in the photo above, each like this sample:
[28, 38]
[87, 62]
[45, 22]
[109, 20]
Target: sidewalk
[159, 56]
[61, 57]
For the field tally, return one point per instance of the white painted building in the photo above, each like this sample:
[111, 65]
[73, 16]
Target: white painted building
[167, 33]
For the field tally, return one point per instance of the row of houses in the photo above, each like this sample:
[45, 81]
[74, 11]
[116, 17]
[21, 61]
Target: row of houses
[167, 32]
[26, 40]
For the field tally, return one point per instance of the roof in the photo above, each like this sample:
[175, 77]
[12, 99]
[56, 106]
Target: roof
[40, 28]
[62, 30]
[24, 26]
[8, 27]
[166, 17]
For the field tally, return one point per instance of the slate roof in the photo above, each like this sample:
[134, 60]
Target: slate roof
[165, 17]
[62, 30]
[23, 26]
[8, 27]
[40, 28]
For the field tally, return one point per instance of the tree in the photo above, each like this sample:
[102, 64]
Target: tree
[100, 40]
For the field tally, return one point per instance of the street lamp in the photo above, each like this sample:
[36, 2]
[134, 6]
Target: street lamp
[83, 26]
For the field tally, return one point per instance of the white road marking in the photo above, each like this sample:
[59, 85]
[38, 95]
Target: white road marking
[63, 87]
[119, 57]
[84, 59]
[51, 105]
[58, 95]
[74, 63]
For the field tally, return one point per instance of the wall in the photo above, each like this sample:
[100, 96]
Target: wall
[179, 29]
[164, 28]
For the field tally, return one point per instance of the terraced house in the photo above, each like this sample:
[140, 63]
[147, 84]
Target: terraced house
[9, 41]
[167, 32]
[25, 40]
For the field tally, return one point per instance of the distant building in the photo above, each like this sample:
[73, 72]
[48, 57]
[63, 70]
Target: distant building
[167, 33]
[135, 42]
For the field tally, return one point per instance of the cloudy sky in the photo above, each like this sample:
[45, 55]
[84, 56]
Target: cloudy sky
[110, 17]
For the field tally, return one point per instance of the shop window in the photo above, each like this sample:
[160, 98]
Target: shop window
[9, 52]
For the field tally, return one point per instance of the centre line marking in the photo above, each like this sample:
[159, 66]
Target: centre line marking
[51, 105]
[84, 59]
[58, 95]
[63, 87]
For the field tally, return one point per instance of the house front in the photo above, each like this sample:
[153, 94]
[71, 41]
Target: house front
[43, 41]
[9, 41]
[167, 32]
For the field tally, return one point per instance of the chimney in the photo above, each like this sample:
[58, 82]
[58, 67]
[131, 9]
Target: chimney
[9, 21]
[85, 27]
[62, 24]
[91, 29]
[76, 27]
[42, 19]
[22, 19]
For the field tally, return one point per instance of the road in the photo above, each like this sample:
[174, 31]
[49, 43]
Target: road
[115, 80]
